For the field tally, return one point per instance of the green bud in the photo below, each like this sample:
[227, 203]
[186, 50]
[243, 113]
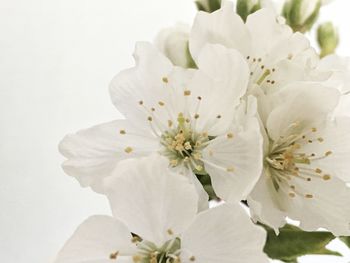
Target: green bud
[208, 5]
[328, 38]
[246, 7]
[301, 15]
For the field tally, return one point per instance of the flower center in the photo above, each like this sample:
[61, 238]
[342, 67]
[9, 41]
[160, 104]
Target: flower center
[182, 145]
[287, 162]
[148, 252]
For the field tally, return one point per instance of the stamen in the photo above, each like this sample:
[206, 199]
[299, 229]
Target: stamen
[128, 149]
[114, 255]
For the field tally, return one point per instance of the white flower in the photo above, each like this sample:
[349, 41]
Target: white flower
[306, 164]
[160, 208]
[276, 56]
[334, 71]
[173, 42]
[189, 116]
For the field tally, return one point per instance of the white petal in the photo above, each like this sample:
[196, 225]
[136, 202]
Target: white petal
[266, 31]
[203, 197]
[138, 92]
[302, 105]
[315, 202]
[221, 27]
[155, 202]
[227, 68]
[332, 144]
[220, 82]
[173, 42]
[339, 67]
[264, 206]
[93, 153]
[329, 207]
[223, 234]
[234, 161]
[95, 240]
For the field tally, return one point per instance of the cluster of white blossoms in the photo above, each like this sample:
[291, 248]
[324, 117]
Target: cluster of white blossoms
[259, 112]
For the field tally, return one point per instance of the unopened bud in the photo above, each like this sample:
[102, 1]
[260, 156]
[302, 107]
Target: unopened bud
[301, 15]
[328, 38]
[208, 5]
[173, 43]
[246, 7]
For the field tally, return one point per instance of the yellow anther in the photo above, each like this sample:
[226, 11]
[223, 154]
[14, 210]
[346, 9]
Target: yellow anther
[318, 170]
[174, 162]
[197, 156]
[170, 232]
[161, 103]
[188, 146]
[122, 132]
[230, 169]
[328, 153]
[187, 92]
[114, 255]
[230, 135]
[309, 196]
[149, 118]
[291, 195]
[165, 79]
[326, 177]
[128, 149]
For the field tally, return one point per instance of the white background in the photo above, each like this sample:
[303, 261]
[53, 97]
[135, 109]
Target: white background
[56, 60]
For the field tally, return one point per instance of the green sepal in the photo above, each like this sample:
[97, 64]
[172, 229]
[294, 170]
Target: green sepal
[244, 8]
[292, 242]
[292, 11]
[190, 61]
[205, 180]
[209, 6]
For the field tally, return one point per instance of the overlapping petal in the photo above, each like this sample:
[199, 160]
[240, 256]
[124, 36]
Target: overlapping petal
[97, 240]
[234, 161]
[214, 237]
[144, 194]
[93, 153]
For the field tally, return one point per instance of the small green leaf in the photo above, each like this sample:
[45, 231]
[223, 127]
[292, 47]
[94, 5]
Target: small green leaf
[346, 240]
[293, 242]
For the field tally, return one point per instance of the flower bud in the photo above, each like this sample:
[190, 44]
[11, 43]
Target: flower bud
[208, 5]
[173, 43]
[301, 15]
[328, 38]
[246, 7]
